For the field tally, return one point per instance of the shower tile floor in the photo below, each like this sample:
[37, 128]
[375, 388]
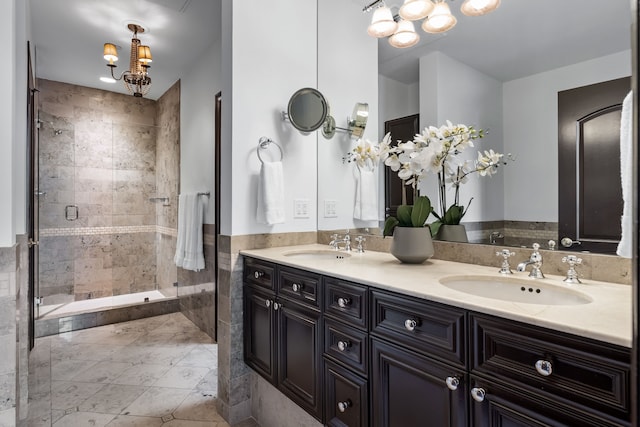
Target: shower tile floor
[158, 371]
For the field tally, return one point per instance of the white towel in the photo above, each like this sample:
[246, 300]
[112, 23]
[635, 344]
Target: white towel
[625, 247]
[271, 194]
[189, 250]
[366, 205]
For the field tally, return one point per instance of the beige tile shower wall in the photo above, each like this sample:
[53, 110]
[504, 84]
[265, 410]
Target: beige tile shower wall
[167, 183]
[97, 152]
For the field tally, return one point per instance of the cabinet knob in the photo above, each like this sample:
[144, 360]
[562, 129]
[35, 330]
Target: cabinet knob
[343, 345]
[544, 367]
[343, 406]
[296, 287]
[344, 302]
[267, 302]
[258, 274]
[452, 383]
[478, 394]
[410, 324]
[276, 306]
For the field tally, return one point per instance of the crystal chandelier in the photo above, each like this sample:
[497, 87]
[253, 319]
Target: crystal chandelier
[136, 79]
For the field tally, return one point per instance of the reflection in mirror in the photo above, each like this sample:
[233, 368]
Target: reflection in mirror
[503, 73]
[307, 109]
[358, 121]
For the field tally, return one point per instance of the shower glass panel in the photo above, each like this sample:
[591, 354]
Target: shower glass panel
[105, 239]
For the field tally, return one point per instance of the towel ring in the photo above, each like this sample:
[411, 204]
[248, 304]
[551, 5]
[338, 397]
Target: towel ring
[264, 143]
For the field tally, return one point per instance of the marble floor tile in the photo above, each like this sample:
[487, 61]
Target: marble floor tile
[158, 371]
[83, 419]
[198, 406]
[112, 399]
[143, 374]
[182, 377]
[135, 421]
[66, 394]
[157, 401]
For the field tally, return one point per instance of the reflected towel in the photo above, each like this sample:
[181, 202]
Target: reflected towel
[271, 194]
[625, 247]
[366, 206]
[189, 249]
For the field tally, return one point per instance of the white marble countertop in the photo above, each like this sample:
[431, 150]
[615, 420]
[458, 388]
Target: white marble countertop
[606, 318]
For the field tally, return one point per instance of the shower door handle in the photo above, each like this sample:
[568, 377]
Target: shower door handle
[71, 212]
[31, 243]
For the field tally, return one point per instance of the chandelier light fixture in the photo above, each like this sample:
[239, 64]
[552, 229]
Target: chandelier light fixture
[436, 14]
[136, 79]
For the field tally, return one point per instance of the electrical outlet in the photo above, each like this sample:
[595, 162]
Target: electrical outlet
[330, 208]
[301, 208]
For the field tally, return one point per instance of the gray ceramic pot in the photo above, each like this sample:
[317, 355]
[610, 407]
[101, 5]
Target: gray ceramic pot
[452, 233]
[412, 245]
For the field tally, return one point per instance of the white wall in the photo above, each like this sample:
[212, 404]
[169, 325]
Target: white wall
[197, 124]
[347, 73]
[451, 90]
[273, 55]
[396, 99]
[531, 133]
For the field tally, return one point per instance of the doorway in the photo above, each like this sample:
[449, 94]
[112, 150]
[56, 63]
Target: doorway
[395, 191]
[590, 194]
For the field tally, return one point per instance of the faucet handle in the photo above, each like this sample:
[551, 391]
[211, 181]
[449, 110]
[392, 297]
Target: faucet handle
[505, 254]
[536, 246]
[360, 240]
[572, 274]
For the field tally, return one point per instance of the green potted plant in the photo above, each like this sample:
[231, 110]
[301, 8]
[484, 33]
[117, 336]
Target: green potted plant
[412, 241]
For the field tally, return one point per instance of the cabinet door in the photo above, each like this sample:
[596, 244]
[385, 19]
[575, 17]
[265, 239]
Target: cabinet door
[346, 397]
[300, 355]
[259, 332]
[410, 390]
[503, 405]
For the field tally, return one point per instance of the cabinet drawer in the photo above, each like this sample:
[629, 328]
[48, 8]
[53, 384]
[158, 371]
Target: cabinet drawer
[347, 345]
[595, 375]
[346, 397]
[259, 273]
[299, 286]
[346, 301]
[429, 328]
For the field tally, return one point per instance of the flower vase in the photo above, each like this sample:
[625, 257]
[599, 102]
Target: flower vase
[452, 233]
[412, 245]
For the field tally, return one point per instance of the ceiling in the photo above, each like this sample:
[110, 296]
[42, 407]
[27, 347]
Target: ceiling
[522, 37]
[69, 36]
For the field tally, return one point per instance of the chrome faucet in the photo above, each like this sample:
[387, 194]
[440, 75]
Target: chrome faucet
[535, 260]
[336, 240]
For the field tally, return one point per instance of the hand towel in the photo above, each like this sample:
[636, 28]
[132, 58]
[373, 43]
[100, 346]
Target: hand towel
[271, 194]
[189, 246]
[625, 247]
[366, 205]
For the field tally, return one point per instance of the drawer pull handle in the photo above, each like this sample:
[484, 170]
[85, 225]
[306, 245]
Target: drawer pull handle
[410, 324]
[478, 394]
[258, 274]
[343, 345]
[344, 302]
[544, 367]
[267, 302]
[296, 287]
[276, 306]
[452, 383]
[343, 406]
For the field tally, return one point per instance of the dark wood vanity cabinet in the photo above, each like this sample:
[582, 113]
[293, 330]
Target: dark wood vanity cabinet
[356, 356]
[283, 332]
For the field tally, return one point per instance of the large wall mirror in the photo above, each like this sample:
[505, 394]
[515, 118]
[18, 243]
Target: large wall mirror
[504, 71]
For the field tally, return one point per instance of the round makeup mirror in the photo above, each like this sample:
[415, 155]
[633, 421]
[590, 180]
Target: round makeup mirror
[307, 109]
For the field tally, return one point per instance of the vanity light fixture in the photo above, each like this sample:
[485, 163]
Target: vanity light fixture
[436, 14]
[136, 79]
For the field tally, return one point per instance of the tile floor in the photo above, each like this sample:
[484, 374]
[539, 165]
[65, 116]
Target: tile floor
[159, 371]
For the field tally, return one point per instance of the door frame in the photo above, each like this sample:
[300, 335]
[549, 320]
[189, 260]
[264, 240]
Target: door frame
[32, 196]
[217, 166]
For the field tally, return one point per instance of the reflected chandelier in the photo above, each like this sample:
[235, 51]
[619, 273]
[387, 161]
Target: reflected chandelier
[436, 14]
[136, 79]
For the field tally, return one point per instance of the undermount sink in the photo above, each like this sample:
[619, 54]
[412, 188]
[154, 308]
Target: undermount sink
[317, 254]
[516, 290]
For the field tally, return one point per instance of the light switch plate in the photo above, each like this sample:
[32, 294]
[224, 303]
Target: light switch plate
[301, 208]
[330, 208]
